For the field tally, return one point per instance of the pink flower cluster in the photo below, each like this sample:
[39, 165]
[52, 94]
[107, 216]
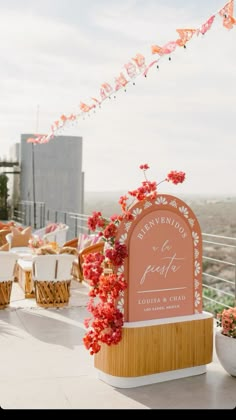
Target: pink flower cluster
[227, 320]
[106, 327]
[106, 322]
[117, 254]
[176, 177]
[101, 270]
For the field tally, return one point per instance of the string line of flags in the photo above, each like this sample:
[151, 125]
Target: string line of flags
[137, 67]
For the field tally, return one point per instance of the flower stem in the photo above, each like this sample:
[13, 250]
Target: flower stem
[161, 181]
[144, 173]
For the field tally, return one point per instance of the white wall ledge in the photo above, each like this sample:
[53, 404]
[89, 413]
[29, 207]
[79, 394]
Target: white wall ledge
[172, 320]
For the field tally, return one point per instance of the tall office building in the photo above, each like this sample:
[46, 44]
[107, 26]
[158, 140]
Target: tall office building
[51, 173]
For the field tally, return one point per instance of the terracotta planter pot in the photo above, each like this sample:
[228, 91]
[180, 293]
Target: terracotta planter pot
[226, 352]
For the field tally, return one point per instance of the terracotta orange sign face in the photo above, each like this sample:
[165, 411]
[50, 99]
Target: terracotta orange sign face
[163, 268]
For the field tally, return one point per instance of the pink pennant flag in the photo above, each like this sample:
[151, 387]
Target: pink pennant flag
[108, 89]
[227, 10]
[169, 47]
[34, 140]
[55, 125]
[71, 117]
[131, 69]
[105, 90]
[120, 81]
[42, 139]
[156, 49]
[206, 26]
[30, 140]
[166, 49]
[96, 100]
[149, 66]
[139, 59]
[103, 94]
[84, 107]
[229, 22]
[227, 14]
[185, 36]
[46, 139]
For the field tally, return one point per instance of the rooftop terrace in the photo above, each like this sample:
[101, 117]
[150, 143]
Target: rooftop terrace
[45, 365]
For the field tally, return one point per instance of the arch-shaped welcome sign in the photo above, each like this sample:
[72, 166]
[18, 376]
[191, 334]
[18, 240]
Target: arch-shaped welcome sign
[162, 305]
[164, 266]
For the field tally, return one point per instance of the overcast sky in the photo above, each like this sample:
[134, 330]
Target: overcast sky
[57, 53]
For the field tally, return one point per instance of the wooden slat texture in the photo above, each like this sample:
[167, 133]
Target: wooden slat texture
[50, 294]
[5, 293]
[159, 348]
[24, 278]
[75, 271]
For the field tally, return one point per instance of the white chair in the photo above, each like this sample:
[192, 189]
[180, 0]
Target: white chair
[52, 278]
[44, 267]
[61, 235]
[64, 267]
[58, 235]
[7, 270]
[22, 251]
[9, 238]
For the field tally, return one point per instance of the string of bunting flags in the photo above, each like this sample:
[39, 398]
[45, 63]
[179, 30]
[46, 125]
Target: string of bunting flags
[137, 67]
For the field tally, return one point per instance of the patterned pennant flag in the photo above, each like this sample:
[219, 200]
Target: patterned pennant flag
[185, 36]
[120, 81]
[166, 49]
[227, 14]
[131, 69]
[139, 60]
[103, 93]
[96, 100]
[84, 107]
[149, 66]
[206, 26]
[108, 89]
[227, 10]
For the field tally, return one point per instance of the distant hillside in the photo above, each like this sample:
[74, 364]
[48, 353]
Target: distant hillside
[216, 215]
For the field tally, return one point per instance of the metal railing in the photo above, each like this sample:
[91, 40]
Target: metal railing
[25, 215]
[219, 272]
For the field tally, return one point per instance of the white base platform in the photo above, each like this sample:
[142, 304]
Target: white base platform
[134, 382]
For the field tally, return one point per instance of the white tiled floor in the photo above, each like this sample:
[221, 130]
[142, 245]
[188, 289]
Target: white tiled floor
[45, 365]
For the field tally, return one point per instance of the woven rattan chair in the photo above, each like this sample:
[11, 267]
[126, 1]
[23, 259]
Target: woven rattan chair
[7, 270]
[52, 279]
[73, 243]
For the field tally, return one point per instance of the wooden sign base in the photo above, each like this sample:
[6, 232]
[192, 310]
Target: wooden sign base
[157, 351]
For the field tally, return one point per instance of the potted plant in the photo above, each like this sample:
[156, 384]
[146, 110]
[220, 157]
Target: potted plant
[225, 340]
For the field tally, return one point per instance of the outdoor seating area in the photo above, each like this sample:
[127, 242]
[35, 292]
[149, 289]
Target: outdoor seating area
[52, 369]
[44, 312]
[43, 262]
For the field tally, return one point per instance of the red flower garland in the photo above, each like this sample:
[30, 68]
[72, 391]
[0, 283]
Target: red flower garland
[105, 325]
